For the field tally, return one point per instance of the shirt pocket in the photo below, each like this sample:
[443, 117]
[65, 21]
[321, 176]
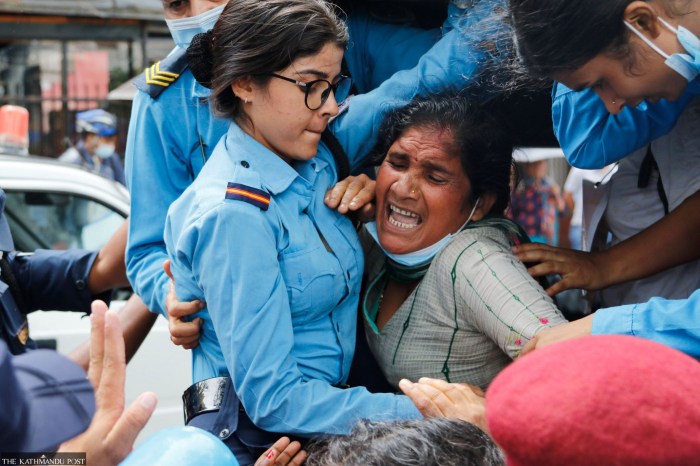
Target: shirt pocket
[313, 285]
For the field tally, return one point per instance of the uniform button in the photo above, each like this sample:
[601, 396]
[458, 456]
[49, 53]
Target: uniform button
[245, 164]
[223, 433]
[80, 284]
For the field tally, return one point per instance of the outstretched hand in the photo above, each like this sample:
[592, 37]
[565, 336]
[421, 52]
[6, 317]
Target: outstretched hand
[437, 398]
[182, 333]
[578, 269]
[353, 194]
[112, 432]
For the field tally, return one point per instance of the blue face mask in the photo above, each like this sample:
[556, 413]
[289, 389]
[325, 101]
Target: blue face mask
[685, 64]
[105, 151]
[424, 255]
[184, 29]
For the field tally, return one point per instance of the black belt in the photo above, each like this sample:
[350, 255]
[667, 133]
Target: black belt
[207, 395]
[204, 397]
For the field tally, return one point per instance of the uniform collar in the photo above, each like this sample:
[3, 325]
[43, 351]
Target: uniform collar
[6, 243]
[276, 175]
[200, 92]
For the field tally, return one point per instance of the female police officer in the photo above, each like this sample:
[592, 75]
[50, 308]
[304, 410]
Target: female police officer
[251, 237]
[626, 51]
[172, 132]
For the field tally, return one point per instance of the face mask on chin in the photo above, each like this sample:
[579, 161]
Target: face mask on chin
[184, 29]
[424, 255]
[685, 64]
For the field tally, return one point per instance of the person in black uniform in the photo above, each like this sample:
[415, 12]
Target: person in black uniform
[63, 280]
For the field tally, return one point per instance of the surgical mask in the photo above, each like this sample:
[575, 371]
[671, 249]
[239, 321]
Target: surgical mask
[424, 255]
[685, 64]
[184, 29]
[104, 151]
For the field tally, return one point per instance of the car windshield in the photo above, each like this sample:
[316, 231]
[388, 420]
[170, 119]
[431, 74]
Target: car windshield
[50, 220]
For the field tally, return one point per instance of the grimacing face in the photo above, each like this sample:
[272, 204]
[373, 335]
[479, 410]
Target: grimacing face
[422, 191]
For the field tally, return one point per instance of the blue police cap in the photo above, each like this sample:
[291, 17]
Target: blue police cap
[96, 121]
[6, 243]
[45, 399]
[181, 446]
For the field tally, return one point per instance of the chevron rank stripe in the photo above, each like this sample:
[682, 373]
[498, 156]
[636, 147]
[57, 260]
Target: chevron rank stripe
[241, 192]
[162, 78]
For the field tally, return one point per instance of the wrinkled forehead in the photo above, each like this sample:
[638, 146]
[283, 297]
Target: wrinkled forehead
[425, 145]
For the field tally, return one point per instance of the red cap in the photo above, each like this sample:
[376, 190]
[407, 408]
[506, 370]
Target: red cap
[600, 400]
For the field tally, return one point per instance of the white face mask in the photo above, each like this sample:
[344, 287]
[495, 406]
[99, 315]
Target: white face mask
[105, 151]
[685, 64]
[424, 255]
[184, 29]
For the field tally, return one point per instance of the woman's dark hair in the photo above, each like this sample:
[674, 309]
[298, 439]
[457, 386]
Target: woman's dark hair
[482, 144]
[552, 36]
[254, 38]
[420, 442]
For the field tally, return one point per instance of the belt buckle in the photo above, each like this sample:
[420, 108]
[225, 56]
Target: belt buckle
[204, 397]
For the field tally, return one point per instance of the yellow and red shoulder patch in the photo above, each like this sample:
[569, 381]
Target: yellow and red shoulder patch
[241, 192]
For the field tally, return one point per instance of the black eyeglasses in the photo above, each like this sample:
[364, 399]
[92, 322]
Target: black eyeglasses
[316, 92]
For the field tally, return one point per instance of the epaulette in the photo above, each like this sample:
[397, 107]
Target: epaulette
[241, 192]
[157, 77]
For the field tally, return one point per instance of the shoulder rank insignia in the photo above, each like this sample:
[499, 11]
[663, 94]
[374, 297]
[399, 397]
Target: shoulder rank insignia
[157, 77]
[241, 192]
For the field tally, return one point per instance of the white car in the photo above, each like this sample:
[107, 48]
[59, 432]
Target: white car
[51, 205]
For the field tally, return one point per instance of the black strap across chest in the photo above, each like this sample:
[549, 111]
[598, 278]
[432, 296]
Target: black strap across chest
[339, 156]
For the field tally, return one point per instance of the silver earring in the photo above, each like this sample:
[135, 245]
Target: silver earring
[614, 102]
[246, 100]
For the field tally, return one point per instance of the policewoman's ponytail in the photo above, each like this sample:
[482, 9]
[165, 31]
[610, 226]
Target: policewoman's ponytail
[201, 58]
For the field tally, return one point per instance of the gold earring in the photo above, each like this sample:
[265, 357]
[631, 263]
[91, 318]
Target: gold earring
[413, 190]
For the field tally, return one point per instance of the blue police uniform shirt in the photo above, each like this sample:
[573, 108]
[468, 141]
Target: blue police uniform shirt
[281, 308]
[592, 137]
[281, 301]
[675, 323]
[172, 136]
[50, 280]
